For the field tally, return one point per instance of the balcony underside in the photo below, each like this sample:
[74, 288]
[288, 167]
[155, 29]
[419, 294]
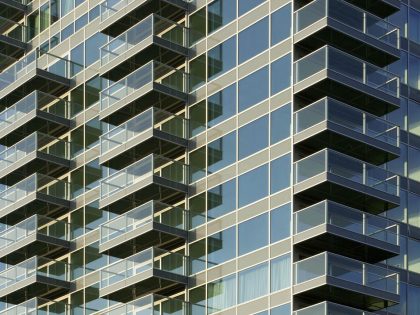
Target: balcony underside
[12, 47]
[152, 48]
[335, 85]
[381, 8]
[150, 95]
[331, 32]
[143, 237]
[151, 188]
[36, 244]
[6, 61]
[137, 10]
[347, 243]
[344, 292]
[151, 281]
[345, 191]
[12, 10]
[334, 136]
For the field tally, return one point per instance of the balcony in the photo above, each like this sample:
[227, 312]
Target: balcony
[329, 226]
[36, 112]
[145, 133]
[152, 270]
[330, 123]
[331, 72]
[35, 277]
[6, 61]
[39, 153]
[346, 281]
[39, 306]
[328, 174]
[154, 84]
[153, 177]
[381, 8]
[12, 38]
[328, 308]
[37, 235]
[151, 224]
[13, 9]
[153, 38]
[36, 194]
[119, 15]
[35, 71]
[340, 24]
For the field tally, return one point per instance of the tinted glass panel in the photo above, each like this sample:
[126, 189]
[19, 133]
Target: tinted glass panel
[281, 123]
[253, 40]
[253, 88]
[221, 105]
[253, 137]
[280, 173]
[221, 58]
[281, 24]
[281, 74]
[253, 185]
[253, 234]
[221, 247]
[220, 12]
[280, 222]
[221, 199]
[247, 5]
[221, 152]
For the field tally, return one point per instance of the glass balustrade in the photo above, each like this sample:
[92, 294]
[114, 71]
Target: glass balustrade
[152, 72]
[153, 25]
[329, 58]
[343, 268]
[152, 211]
[152, 118]
[13, 29]
[152, 258]
[349, 15]
[329, 161]
[328, 212]
[329, 308]
[328, 109]
[151, 165]
[40, 306]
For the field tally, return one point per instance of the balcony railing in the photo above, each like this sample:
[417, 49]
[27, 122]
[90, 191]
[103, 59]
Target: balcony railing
[152, 72]
[347, 269]
[13, 29]
[152, 211]
[349, 15]
[154, 25]
[347, 116]
[328, 212]
[152, 258]
[329, 308]
[329, 161]
[152, 118]
[40, 306]
[35, 224]
[332, 59]
[152, 165]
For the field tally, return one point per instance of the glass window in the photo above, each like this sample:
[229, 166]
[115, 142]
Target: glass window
[67, 32]
[253, 282]
[281, 123]
[413, 163]
[414, 72]
[414, 26]
[197, 25]
[285, 309]
[94, 13]
[247, 5]
[197, 164]
[281, 24]
[280, 173]
[77, 58]
[413, 254]
[414, 117]
[221, 247]
[221, 105]
[82, 22]
[55, 10]
[253, 137]
[281, 74]
[197, 206]
[253, 88]
[249, 241]
[221, 294]
[221, 58]
[221, 199]
[253, 185]
[197, 118]
[197, 72]
[253, 40]
[66, 6]
[281, 273]
[220, 12]
[197, 254]
[280, 222]
[221, 152]
[44, 16]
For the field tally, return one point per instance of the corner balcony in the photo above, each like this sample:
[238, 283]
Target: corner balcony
[329, 226]
[151, 224]
[346, 281]
[119, 15]
[142, 181]
[35, 71]
[152, 270]
[328, 308]
[12, 38]
[36, 112]
[153, 38]
[144, 133]
[35, 277]
[36, 194]
[37, 235]
[13, 9]
[328, 123]
[154, 84]
[349, 28]
[36, 153]
[328, 174]
[331, 72]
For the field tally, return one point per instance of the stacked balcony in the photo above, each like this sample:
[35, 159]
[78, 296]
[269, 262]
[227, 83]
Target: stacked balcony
[12, 38]
[328, 308]
[34, 277]
[13, 9]
[40, 306]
